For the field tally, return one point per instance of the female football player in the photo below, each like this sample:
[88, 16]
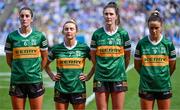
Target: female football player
[110, 53]
[155, 60]
[70, 61]
[26, 54]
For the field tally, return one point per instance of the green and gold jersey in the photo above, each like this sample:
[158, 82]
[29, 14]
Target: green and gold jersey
[155, 57]
[110, 50]
[70, 64]
[26, 62]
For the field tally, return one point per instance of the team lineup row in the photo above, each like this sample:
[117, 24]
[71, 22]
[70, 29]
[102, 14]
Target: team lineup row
[27, 55]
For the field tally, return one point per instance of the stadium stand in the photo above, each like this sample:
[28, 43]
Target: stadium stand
[51, 14]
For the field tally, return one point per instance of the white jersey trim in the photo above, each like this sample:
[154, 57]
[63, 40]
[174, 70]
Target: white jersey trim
[23, 34]
[70, 48]
[49, 59]
[155, 43]
[7, 51]
[137, 58]
[172, 59]
[127, 49]
[93, 48]
[43, 49]
[110, 33]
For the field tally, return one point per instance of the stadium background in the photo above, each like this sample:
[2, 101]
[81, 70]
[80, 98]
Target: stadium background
[50, 16]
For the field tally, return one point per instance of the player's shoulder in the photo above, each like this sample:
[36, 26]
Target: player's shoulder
[165, 40]
[99, 30]
[82, 45]
[143, 40]
[35, 31]
[122, 30]
[56, 47]
[13, 33]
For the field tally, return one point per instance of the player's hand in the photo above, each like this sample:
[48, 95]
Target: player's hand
[56, 77]
[82, 77]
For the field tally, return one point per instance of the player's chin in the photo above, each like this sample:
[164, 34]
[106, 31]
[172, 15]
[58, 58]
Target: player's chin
[69, 37]
[25, 25]
[108, 23]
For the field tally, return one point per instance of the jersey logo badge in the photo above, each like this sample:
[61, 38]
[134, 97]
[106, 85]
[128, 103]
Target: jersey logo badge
[155, 51]
[110, 41]
[33, 42]
[25, 42]
[78, 53]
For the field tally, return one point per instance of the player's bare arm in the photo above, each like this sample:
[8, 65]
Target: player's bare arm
[9, 59]
[44, 55]
[127, 58]
[50, 73]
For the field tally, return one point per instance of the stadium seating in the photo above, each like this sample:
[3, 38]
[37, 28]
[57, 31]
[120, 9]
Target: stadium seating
[51, 14]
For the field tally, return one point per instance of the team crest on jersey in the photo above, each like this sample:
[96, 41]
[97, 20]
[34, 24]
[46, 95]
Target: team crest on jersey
[163, 50]
[25, 42]
[118, 41]
[78, 53]
[145, 51]
[33, 42]
[110, 41]
[114, 41]
[155, 50]
[71, 53]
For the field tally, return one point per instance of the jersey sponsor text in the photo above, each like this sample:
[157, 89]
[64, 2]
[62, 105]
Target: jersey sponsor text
[26, 52]
[110, 51]
[155, 60]
[73, 63]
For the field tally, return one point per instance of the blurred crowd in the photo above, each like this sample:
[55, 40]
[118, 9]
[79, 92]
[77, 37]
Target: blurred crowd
[2, 6]
[51, 14]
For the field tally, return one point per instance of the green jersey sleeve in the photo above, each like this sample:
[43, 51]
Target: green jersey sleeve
[127, 42]
[93, 41]
[8, 45]
[88, 53]
[51, 56]
[137, 54]
[44, 44]
[172, 52]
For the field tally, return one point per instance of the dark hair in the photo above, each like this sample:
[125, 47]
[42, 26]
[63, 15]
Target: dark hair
[70, 21]
[26, 8]
[155, 16]
[114, 5]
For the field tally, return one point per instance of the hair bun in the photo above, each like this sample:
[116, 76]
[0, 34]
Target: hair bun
[72, 20]
[112, 3]
[155, 13]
